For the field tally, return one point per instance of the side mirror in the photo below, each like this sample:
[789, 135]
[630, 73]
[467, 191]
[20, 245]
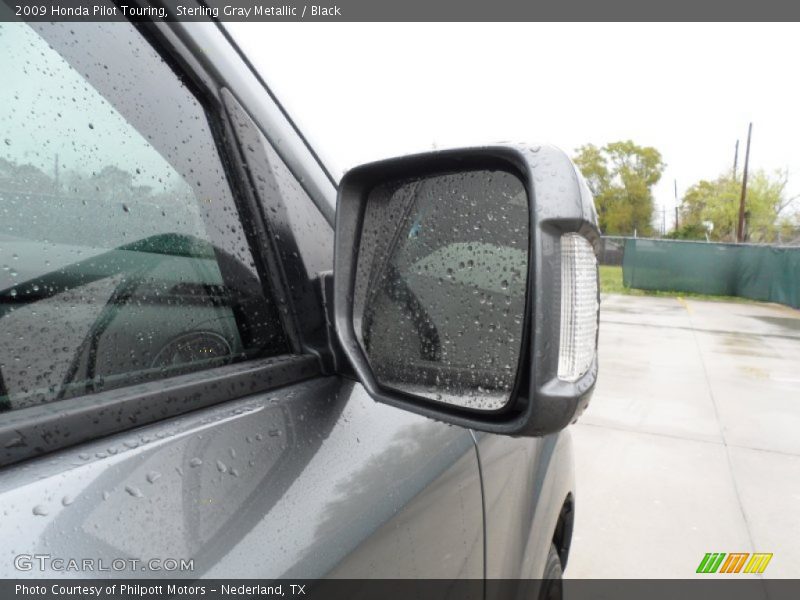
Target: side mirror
[465, 286]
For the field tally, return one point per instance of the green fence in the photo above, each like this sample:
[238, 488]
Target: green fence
[768, 273]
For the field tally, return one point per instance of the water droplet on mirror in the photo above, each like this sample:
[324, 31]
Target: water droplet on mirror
[134, 491]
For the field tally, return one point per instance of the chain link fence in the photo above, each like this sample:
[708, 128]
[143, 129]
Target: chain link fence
[612, 250]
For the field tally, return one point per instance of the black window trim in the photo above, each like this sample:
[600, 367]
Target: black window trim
[208, 92]
[29, 432]
[280, 107]
[37, 430]
[307, 305]
[232, 69]
[210, 85]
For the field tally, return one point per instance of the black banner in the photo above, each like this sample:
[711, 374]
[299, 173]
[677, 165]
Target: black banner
[400, 10]
[711, 588]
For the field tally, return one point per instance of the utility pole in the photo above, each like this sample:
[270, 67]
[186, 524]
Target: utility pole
[675, 183]
[740, 229]
[735, 159]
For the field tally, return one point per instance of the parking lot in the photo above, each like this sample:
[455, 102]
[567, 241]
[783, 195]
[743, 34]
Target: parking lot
[692, 441]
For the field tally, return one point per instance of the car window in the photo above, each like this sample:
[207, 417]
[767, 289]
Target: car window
[122, 256]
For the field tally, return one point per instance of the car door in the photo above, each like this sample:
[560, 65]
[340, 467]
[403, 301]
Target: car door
[170, 403]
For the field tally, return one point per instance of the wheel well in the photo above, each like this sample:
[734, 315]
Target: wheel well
[562, 536]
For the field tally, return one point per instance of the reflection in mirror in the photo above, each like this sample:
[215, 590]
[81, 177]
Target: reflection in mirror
[440, 286]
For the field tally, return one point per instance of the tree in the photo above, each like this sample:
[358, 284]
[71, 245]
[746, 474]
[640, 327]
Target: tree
[689, 231]
[713, 207]
[621, 176]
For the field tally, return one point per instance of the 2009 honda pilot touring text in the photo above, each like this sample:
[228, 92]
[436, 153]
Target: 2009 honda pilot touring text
[214, 355]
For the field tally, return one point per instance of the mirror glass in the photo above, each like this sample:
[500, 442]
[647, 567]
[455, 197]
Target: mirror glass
[440, 286]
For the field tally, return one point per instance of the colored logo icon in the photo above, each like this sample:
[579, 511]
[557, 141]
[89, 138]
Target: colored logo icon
[735, 562]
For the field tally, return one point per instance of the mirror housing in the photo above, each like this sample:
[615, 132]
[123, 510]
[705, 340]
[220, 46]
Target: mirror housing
[550, 388]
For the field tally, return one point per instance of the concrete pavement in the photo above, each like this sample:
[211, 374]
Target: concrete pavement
[692, 441]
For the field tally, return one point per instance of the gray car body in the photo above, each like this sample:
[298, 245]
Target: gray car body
[313, 479]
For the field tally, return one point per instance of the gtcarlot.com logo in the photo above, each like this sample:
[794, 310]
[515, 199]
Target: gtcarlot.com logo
[735, 562]
[46, 562]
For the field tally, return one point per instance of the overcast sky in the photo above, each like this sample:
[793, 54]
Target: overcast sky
[366, 91]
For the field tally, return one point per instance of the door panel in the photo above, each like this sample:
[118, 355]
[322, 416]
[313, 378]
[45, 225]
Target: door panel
[312, 479]
[508, 471]
[526, 481]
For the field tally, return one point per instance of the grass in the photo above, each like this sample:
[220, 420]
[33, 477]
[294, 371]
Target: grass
[611, 283]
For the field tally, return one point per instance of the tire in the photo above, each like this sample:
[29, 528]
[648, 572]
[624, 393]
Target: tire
[552, 588]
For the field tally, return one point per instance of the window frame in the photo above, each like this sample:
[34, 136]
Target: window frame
[36, 430]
